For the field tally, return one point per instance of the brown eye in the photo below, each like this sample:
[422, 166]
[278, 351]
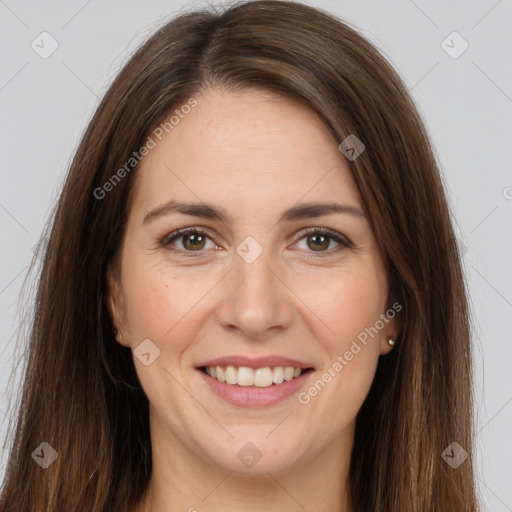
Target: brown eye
[193, 241]
[319, 242]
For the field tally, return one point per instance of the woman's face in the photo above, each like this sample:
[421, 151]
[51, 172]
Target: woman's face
[252, 289]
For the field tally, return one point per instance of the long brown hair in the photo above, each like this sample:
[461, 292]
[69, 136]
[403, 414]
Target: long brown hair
[81, 393]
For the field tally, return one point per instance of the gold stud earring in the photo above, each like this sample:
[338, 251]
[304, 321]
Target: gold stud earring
[116, 332]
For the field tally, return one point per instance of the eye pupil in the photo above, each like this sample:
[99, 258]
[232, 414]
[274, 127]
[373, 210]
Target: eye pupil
[324, 244]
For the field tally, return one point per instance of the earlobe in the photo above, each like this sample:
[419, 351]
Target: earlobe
[387, 344]
[394, 328]
[115, 306]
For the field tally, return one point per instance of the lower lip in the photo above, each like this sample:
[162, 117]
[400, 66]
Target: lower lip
[247, 396]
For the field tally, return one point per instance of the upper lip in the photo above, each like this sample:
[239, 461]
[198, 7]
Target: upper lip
[256, 362]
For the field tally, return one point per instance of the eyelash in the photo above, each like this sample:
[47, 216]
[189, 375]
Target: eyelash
[333, 235]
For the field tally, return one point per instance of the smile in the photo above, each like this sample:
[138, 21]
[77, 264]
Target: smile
[257, 377]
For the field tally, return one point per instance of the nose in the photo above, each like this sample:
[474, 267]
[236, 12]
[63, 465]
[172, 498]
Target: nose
[255, 299]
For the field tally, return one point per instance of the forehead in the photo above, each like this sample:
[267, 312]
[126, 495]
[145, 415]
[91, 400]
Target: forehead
[251, 149]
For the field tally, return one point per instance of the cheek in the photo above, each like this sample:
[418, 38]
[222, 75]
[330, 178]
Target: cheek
[165, 304]
[347, 302]
[156, 302]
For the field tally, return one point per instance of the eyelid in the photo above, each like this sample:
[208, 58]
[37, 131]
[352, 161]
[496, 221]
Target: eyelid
[184, 231]
[334, 235]
[165, 242]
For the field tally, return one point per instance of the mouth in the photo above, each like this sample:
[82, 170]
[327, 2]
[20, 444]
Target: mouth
[248, 387]
[254, 381]
[263, 377]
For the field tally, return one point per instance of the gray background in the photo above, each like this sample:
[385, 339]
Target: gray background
[466, 103]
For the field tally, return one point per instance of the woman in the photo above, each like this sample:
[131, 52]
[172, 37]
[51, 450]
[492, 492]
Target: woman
[251, 296]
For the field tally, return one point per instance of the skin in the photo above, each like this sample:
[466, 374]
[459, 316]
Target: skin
[255, 154]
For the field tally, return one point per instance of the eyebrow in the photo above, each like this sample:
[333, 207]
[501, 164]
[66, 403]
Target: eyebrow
[206, 211]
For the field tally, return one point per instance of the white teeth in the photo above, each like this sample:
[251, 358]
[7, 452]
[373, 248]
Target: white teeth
[220, 373]
[259, 377]
[231, 375]
[245, 376]
[263, 377]
[278, 375]
[288, 373]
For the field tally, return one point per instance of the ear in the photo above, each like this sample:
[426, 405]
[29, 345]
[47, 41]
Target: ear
[115, 304]
[392, 329]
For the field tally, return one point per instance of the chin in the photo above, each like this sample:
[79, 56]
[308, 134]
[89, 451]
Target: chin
[256, 455]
